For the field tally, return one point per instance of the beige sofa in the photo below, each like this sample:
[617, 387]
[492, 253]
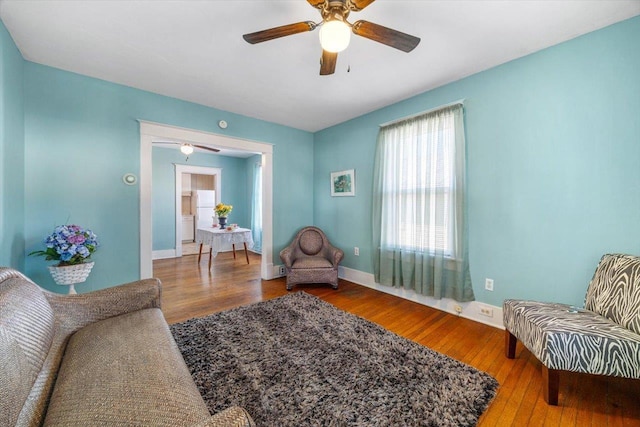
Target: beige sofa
[102, 358]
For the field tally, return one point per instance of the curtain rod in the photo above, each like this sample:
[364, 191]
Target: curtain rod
[451, 104]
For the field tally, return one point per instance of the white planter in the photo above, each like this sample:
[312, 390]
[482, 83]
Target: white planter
[71, 274]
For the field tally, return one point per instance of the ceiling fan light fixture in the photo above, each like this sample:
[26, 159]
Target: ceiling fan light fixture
[186, 149]
[335, 36]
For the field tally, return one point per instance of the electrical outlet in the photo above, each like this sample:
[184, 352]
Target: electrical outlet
[457, 308]
[486, 311]
[281, 270]
[356, 251]
[488, 284]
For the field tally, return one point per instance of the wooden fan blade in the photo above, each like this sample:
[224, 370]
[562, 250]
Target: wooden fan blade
[316, 3]
[384, 35]
[357, 5]
[282, 31]
[205, 147]
[328, 63]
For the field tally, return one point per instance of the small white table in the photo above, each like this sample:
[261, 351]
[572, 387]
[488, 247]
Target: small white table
[216, 238]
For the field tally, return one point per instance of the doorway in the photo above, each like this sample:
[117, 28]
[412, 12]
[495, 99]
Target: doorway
[180, 188]
[154, 131]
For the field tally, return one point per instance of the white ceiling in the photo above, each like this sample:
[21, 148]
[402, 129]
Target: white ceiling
[193, 50]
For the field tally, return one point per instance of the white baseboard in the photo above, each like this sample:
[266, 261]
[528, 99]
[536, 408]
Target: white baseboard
[163, 254]
[470, 310]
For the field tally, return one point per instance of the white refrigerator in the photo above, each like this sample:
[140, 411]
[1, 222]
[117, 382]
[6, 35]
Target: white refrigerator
[205, 201]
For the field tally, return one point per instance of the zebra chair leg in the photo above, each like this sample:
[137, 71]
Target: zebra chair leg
[550, 385]
[510, 341]
[550, 377]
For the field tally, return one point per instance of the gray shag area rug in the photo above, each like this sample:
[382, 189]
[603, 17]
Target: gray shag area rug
[299, 361]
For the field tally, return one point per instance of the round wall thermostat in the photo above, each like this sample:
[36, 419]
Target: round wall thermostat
[222, 124]
[129, 179]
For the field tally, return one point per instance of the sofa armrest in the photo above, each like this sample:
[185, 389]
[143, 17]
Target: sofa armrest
[234, 416]
[73, 312]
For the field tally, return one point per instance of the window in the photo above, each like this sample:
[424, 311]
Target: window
[418, 186]
[418, 205]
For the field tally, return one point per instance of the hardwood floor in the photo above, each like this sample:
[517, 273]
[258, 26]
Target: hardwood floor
[189, 290]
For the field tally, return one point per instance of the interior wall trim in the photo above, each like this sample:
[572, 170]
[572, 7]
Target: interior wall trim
[150, 132]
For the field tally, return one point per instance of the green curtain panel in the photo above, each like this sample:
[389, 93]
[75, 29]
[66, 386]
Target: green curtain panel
[256, 212]
[419, 209]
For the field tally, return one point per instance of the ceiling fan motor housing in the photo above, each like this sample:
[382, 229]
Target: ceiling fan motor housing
[335, 10]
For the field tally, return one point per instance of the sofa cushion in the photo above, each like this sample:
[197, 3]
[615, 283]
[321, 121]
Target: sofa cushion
[26, 334]
[125, 370]
[614, 291]
[311, 262]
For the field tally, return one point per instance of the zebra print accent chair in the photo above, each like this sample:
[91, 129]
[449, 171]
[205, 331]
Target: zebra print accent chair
[603, 338]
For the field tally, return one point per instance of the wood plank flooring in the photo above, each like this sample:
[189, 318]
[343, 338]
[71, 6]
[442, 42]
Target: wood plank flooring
[190, 290]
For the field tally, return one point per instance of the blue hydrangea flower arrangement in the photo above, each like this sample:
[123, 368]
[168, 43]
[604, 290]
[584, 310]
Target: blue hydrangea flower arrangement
[69, 244]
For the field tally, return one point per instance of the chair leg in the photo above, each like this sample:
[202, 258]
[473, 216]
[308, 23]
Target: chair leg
[510, 341]
[550, 385]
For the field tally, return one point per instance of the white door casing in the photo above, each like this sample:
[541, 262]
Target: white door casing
[150, 131]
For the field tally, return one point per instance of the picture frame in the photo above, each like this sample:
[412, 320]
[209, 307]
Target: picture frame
[343, 183]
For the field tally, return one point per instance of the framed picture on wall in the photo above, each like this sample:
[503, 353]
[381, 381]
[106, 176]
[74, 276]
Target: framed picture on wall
[343, 183]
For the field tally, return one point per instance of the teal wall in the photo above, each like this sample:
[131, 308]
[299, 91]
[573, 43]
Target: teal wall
[11, 153]
[82, 136]
[553, 148]
[235, 187]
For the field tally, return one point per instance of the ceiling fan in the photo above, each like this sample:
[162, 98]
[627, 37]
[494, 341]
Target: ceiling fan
[187, 148]
[335, 31]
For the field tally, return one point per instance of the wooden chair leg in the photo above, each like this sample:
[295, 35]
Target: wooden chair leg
[510, 342]
[550, 384]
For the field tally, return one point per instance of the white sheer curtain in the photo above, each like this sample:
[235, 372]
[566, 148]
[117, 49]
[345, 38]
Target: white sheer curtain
[256, 212]
[419, 214]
